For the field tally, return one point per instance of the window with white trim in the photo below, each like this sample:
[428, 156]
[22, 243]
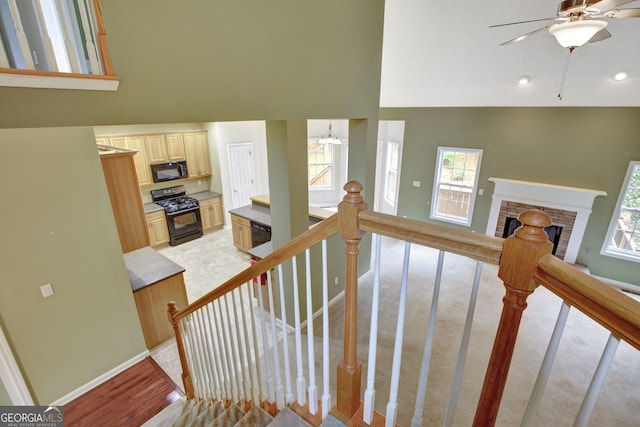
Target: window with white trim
[623, 237]
[393, 161]
[320, 159]
[455, 184]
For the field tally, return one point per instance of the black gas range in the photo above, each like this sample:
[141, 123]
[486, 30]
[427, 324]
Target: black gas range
[182, 213]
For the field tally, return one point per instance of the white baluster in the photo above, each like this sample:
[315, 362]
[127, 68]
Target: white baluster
[223, 354]
[370, 393]
[392, 406]
[326, 395]
[464, 347]
[252, 358]
[231, 362]
[246, 383]
[89, 43]
[67, 36]
[274, 338]
[207, 391]
[197, 377]
[596, 382]
[23, 42]
[313, 389]
[545, 369]
[300, 380]
[258, 359]
[234, 327]
[44, 36]
[285, 339]
[265, 345]
[185, 326]
[416, 421]
[215, 355]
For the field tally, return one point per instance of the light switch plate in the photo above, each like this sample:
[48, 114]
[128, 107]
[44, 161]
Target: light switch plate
[46, 290]
[416, 183]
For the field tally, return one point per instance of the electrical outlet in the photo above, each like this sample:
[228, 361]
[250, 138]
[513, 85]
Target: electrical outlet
[46, 290]
[336, 281]
[480, 191]
[416, 183]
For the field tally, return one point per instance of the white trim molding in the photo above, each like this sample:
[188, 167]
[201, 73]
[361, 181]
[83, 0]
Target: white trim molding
[99, 380]
[55, 82]
[11, 376]
[579, 200]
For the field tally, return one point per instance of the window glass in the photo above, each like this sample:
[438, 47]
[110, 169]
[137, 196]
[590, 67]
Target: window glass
[455, 184]
[320, 164]
[623, 238]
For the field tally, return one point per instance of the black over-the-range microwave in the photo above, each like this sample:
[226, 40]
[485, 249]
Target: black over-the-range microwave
[168, 171]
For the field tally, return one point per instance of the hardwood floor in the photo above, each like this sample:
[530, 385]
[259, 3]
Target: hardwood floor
[128, 399]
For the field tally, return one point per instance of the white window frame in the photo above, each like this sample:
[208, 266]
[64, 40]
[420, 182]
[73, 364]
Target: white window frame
[607, 248]
[437, 185]
[332, 163]
[391, 169]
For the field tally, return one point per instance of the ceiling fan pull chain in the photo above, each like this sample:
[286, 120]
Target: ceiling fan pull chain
[564, 74]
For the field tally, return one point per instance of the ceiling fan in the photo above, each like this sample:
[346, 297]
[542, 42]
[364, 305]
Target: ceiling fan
[579, 21]
[576, 23]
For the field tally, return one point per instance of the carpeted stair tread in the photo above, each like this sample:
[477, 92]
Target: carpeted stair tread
[255, 417]
[331, 421]
[229, 417]
[286, 417]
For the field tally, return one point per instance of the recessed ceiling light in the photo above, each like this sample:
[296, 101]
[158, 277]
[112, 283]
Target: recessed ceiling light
[620, 75]
[524, 80]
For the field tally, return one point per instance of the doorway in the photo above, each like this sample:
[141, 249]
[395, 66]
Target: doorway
[388, 166]
[241, 176]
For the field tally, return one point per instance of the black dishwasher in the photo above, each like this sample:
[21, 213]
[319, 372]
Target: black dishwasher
[260, 234]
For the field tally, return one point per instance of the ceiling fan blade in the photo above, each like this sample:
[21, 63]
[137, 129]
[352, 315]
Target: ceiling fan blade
[623, 13]
[608, 4]
[524, 36]
[522, 22]
[600, 35]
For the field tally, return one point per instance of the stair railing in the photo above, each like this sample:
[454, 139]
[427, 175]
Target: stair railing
[229, 342]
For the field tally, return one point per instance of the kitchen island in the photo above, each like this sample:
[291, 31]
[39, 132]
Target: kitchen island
[155, 280]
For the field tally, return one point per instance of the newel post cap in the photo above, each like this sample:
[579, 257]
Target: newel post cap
[523, 248]
[352, 203]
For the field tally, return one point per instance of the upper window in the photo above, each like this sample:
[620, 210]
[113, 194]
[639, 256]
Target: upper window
[393, 161]
[623, 237]
[320, 165]
[455, 184]
[44, 42]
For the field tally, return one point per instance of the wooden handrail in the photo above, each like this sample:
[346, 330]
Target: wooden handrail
[474, 245]
[319, 232]
[614, 310]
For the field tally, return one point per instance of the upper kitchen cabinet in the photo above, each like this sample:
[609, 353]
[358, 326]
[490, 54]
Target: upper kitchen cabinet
[196, 150]
[140, 159]
[165, 147]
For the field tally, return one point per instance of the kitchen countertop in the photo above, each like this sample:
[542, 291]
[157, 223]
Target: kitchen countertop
[201, 195]
[256, 213]
[261, 251]
[146, 266]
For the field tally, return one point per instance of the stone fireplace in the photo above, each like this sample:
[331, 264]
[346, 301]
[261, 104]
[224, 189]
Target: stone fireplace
[568, 207]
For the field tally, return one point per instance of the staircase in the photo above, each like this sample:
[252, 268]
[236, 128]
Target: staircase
[190, 413]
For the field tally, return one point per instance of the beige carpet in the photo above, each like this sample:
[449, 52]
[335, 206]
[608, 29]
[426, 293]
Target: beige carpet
[578, 355]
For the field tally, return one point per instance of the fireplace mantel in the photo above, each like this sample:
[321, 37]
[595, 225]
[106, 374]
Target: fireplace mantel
[579, 200]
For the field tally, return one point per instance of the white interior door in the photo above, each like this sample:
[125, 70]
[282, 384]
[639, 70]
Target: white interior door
[241, 173]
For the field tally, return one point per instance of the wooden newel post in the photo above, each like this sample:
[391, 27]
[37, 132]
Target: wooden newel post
[520, 254]
[186, 375]
[350, 369]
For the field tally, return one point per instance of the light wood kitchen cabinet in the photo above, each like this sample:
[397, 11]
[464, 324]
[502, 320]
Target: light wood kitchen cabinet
[241, 230]
[126, 202]
[140, 159]
[175, 146]
[151, 303]
[156, 148]
[196, 150]
[157, 228]
[211, 214]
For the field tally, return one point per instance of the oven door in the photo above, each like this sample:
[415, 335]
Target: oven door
[184, 226]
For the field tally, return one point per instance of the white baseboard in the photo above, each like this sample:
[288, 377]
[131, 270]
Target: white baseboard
[99, 380]
[319, 312]
[621, 285]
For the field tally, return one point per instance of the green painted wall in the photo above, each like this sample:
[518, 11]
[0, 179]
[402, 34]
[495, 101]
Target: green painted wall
[196, 61]
[60, 229]
[576, 147]
[4, 396]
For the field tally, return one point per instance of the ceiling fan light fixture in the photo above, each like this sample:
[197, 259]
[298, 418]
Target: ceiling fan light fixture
[574, 34]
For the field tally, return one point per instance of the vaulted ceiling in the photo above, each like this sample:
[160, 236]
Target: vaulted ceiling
[444, 54]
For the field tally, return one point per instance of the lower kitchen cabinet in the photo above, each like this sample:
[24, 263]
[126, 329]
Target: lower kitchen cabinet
[151, 303]
[157, 228]
[211, 214]
[241, 229]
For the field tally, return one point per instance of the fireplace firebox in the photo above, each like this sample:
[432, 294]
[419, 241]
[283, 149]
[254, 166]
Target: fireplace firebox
[553, 231]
